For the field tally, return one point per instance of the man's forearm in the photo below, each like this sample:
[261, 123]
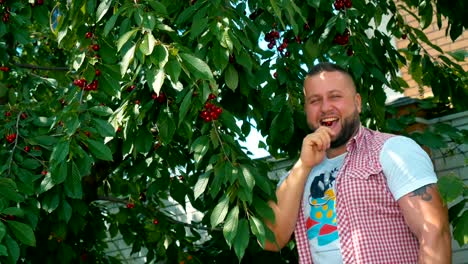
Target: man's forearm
[289, 196]
[436, 247]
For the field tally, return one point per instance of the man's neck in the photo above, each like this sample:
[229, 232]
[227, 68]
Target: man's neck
[335, 152]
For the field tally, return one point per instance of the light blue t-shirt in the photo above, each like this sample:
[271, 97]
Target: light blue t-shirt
[406, 166]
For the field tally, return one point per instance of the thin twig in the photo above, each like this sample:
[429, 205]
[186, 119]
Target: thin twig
[43, 68]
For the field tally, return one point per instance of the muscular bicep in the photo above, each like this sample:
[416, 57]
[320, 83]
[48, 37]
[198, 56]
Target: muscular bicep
[424, 211]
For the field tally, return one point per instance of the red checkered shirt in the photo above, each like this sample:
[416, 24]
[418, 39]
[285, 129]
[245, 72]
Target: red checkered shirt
[369, 221]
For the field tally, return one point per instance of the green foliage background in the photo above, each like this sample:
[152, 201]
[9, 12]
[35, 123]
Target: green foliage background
[138, 140]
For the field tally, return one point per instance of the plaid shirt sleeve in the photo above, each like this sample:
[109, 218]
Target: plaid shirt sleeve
[302, 242]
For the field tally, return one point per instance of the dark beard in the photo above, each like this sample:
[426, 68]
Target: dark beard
[348, 129]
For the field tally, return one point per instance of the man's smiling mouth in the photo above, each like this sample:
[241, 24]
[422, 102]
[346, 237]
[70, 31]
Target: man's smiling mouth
[328, 121]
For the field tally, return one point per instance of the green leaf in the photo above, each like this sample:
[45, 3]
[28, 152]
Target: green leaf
[197, 67]
[22, 232]
[450, 187]
[258, 229]
[458, 55]
[13, 249]
[13, 211]
[58, 174]
[110, 24]
[147, 45]
[155, 79]
[199, 24]
[231, 224]
[166, 126]
[231, 77]
[460, 230]
[31, 164]
[99, 150]
[422, 36]
[110, 86]
[2, 231]
[47, 183]
[60, 151]
[65, 211]
[278, 14]
[201, 184]
[8, 190]
[101, 110]
[158, 7]
[143, 141]
[73, 187]
[185, 106]
[246, 178]
[220, 211]
[127, 58]
[160, 57]
[50, 201]
[104, 128]
[102, 9]
[282, 126]
[241, 241]
[199, 147]
[173, 68]
[3, 251]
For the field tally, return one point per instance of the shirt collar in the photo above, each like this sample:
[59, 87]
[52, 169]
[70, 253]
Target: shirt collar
[356, 139]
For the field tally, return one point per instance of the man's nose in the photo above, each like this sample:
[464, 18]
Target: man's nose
[325, 106]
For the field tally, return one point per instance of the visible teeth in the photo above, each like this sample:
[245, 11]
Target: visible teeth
[330, 119]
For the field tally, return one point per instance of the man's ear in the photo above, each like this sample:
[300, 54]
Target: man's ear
[358, 102]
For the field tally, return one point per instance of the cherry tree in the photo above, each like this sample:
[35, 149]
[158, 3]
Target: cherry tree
[137, 103]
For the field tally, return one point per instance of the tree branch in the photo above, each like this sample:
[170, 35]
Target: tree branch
[43, 68]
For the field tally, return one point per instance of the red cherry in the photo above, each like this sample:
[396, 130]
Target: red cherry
[10, 217]
[350, 52]
[87, 133]
[8, 113]
[40, 2]
[131, 88]
[89, 34]
[306, 27]
[404, 36]
[130, 205]
[96, 47]
[155, 221]
[44, 172]
[27, 149]
[23, 116]
[275, 75]
[211, 96]
[4, 68]
[348, 4]
[161, 97]
[97, 72]
[137, 102]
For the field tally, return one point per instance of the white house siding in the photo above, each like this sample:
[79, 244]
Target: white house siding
[454, 163]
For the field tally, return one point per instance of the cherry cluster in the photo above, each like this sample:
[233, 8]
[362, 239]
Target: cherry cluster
[271, 38]
[4, 68]
[342, 4]
[161, 98]
[6, 15]
[210, 111]
[10, 137]
[83, 84]
[342, 39]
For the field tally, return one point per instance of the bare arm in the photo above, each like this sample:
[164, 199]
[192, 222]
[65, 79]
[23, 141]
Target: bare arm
[427, 217]
[289, 194]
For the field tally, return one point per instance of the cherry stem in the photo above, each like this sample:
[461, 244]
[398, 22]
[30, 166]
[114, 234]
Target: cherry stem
[16, 141]
[221, 142]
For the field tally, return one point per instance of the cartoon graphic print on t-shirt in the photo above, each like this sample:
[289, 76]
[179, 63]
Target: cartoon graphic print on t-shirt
[321, 222]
